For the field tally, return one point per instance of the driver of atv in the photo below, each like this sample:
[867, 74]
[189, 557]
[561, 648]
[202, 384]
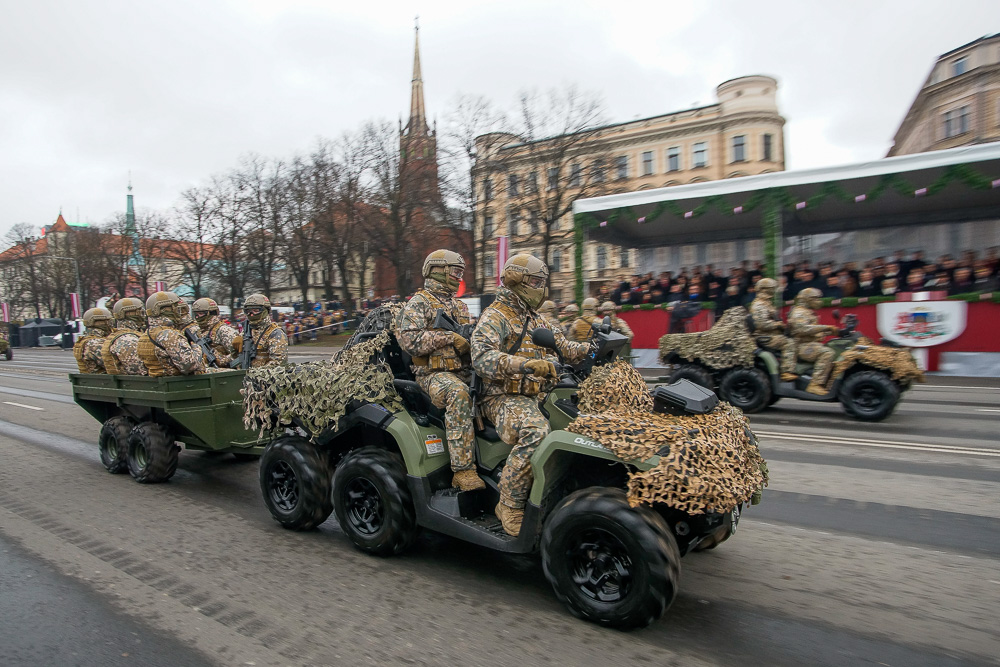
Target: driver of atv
[804, 326]
[514, 372]
[768, 328]
[441, 359]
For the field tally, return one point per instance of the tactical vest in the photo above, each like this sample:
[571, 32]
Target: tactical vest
[110, 360]
[263, 352]
[147, 352]
[221, 352]
[521, 383]
[582, 327]
[84, 365]
[444, 358]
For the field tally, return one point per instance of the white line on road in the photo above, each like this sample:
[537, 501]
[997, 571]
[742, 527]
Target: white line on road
[987, 410]
[22, 405]
[885, 444]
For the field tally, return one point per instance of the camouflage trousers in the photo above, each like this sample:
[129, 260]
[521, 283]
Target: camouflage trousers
[783, 344]
[520, 424]
[822, 358]
[447, 391]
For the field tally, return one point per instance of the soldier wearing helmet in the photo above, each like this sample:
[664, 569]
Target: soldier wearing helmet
[608, 309]
[87, 349]
[219, 334]
[121, 349]
[514, 372]
[569, 314]
[441, 358]
[550, 314]
[804, 326]
[769, 330]
[270, 344]
[582, 326]
[164, 348]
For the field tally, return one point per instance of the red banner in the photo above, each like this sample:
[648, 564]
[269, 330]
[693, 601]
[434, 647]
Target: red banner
[503, 254]
[160, 286]
[5, 311]
[74, 304]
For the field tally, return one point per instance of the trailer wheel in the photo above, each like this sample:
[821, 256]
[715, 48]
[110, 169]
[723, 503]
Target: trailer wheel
[113, 443]
[295, 483]
[152, 454]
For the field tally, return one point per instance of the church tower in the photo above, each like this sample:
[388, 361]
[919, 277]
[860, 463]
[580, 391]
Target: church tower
[417, 140]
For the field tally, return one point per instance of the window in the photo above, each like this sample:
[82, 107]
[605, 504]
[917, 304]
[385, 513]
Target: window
[624, 258]
[960, 66]
[621, 167]
[674, 159]
[575, 175]
[740, 148]
[532, 222]
[553, 180]
[488, 189]
[556, 265]
[488, 227]
[513, 220]
[602, 258]
[490, 267]
[532, 186]
[766, 148]
[956, 122]
[700, 154]
[512, 185]
[647, 163]
[598, 171]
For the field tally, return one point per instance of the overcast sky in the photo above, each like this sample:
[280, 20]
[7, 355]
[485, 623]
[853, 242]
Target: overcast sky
[176, 91]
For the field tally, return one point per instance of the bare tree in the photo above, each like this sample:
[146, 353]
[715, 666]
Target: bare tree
[193, 228]
[227, 231]
[300, 233]
[22, 270]
[264, 200]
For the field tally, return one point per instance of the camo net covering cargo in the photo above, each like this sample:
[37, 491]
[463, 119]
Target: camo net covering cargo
[728, 343]
[708, 463]
[894, 360]
[317, 393]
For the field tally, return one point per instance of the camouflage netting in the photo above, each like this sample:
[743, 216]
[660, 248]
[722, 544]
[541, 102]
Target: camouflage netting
[895, 360]
[316, 394]
[728, 343]
[708, 463]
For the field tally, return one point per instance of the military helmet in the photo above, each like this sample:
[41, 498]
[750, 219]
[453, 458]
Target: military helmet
[129, 308]
[607, 308]
[571, 310]
[589, 306]
[526, 276]
[548, 308]
[162, 304]
[203, 309]
[257, 307]
[98, 318]
[766, 287]
[446, 267]
[810, 296]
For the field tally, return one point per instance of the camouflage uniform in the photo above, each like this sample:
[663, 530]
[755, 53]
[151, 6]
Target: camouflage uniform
[580, 330]
[510, 395]
[220, 337]
[439, 369]
[121, 350]
[551, 316]
[166, 351]
[803, 325]
[617, 323]
[272, 344]
[769, 332]
[87, 351]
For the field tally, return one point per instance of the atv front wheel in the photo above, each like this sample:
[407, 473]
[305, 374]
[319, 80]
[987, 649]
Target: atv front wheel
[373, 503]
[295, 483]
[610, 563]
[746, 388]
[869, 396]
[695, 373]
[113, 443]
[152, 454]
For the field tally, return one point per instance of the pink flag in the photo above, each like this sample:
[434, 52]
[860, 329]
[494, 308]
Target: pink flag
[503, 254]
[5, 312]
[160, 286]
[74, 304]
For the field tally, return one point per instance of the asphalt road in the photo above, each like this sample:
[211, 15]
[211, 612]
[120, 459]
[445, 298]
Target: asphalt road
[875, 544]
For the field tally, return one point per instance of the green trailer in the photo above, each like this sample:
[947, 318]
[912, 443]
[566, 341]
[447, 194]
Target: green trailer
[144, 418]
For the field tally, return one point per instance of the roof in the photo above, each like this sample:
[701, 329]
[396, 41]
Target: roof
[964, 183]
[60, 225]
[171, 249]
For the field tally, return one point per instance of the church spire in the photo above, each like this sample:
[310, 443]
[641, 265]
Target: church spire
[418, 116]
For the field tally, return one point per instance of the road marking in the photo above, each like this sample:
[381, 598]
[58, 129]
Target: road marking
[884, 444]
[22, 405]
[987, 410]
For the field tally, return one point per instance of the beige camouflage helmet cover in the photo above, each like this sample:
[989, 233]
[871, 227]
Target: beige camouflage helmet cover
[442, 258]
[161, 304]
[257, 301]
[129, 308]
[571, 310]
[810, 297]
[203, 309]
[98, 318]
[526, 276]
[766, 287]
[607, 308]
[589, 305]
[548, 308]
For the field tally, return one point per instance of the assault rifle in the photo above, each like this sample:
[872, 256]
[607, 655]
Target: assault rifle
[204, 344]
[446, 322]
[249, 351]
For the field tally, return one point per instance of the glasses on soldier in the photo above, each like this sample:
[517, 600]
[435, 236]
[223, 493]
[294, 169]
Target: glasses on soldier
[536, 282]
[255, 310]
[456, 272]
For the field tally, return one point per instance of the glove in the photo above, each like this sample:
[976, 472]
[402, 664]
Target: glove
[461, 345]
[238, 343]
[541, 368]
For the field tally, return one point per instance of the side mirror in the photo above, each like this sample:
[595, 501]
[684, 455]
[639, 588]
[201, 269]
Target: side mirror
[836, 315]
[543, 337]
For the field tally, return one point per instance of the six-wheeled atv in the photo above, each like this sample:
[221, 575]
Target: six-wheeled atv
[866, 379]
[385, 474]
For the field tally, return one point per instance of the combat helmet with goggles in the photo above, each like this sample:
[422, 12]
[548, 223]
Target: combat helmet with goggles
[446, 267]
[204, 309]
[166, 304]
[526, 276]
[98, 319]
[129, 309]
[257, 308]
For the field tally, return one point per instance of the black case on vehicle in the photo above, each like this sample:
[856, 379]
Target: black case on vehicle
[684, 397]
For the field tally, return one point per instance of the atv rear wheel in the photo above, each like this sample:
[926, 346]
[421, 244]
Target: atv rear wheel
[373, 503]
[610, 563]
[113, 444]
[295, 483]
[9, 354]
[152, 454]
[746, 388]
[695, 373]
[869, 396]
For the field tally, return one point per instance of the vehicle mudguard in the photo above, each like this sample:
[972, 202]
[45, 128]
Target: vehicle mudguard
[770, 361]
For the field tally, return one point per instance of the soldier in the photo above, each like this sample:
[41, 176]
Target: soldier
[804, 326]
[220, 335]
[514, 372]
[581, 328]
[768, 329]
[607, 309]
[441, 359]
[87, 349]
[121, 349]
[270, 342]
[569, 314]
[164, 348]
[550, 314]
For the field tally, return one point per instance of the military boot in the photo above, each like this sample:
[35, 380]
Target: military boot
[789, 377]
[467, 480]
[816, 388]
[510, 519]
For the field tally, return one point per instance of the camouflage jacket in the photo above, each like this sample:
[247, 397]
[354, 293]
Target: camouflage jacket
[766, 320]
[175, 353]
[803, 325]
[123, 349]
[496, 334]
[432, 349]
[622, 327]
[220, 337]
[581, 328]
[87, 351]
[272, 344]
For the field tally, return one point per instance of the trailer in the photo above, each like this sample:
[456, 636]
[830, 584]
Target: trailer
[144, 418]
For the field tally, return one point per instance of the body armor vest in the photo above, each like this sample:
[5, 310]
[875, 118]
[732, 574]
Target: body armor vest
[85, 365]
[444, 358]
[520, 383]
[263, 351]
[147, 352]
[110, 360]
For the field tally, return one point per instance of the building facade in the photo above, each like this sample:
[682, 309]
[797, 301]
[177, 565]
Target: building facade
[958, 104]
[742, 134]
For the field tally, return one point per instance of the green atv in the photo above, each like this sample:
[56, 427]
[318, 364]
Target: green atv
[5, 348]
[387, 474]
